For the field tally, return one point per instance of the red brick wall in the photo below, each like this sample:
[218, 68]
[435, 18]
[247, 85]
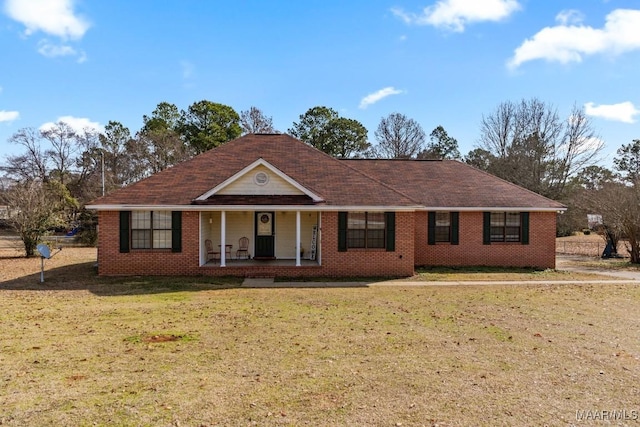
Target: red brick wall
[411, 250]
[540, 252]
[367, 262]
[146, 262]
[334, 264]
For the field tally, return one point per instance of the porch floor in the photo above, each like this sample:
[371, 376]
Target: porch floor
[262, 263]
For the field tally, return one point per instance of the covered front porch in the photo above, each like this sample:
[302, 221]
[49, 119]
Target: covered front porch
[260, 238]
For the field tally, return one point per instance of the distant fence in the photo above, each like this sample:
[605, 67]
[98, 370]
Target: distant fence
[14, 242]
[573, 247]
[590, 248]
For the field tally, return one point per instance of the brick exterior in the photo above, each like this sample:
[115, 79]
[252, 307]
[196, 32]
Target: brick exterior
[411, 250]
[363, 262]
[539, 253]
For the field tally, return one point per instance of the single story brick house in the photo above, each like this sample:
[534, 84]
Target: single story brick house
[271, 205]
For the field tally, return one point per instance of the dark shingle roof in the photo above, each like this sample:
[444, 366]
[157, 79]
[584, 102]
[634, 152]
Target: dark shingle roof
[398, 183]
[336, 182]
[450, 183]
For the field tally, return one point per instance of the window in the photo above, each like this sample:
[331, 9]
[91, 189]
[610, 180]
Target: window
[505, 226]
[151, 230]
[443, 227]
[366, 230]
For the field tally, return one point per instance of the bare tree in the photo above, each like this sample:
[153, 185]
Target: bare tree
[33, 163]
[528, 144]
[64, 147]
[34, 208]
[399, 137]
[253, 120]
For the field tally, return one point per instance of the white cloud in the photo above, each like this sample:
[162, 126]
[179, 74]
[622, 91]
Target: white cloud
[455, 14]
[372, 98]
[188, 69]
[570, 43]
[570, 16]
[8, 116]
[77, 123]
[52, 50]
[54, 17]
[623, 112]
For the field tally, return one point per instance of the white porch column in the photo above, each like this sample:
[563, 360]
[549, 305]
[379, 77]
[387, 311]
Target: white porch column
[223, 239]
[297, 238]
[319, 240]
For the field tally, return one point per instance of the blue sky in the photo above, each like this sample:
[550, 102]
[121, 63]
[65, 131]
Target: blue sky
[440, 62]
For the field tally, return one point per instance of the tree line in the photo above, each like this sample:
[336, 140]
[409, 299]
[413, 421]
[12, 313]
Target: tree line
[525, 142]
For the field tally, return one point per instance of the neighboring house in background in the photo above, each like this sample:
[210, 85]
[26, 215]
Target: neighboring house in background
[308, 214]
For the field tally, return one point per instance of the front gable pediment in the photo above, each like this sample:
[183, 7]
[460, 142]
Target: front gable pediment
[260, 178]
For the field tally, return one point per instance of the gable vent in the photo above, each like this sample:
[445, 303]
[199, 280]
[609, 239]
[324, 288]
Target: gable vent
[261, 178]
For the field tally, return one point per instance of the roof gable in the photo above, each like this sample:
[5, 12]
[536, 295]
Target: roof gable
[260, 178]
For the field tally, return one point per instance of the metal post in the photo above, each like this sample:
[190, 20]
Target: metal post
[41, 269]
[102, 162]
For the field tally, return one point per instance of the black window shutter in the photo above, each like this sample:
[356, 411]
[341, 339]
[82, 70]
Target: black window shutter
[524, 217]
[486, 228]
[342, 231]
[176, 231]
[431, 228]
[455, 220]
[390, 220]
[124, 231]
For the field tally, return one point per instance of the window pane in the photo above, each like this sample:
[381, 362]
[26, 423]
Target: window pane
[442, 234]
[141, 239]
[162, 220]
[375, 238]
[161, 239]
[497, 234]
[513, 219]
[443, 227]
[375, 220]
[443, 219]
[497, 219]
[356, 220]
[140, 220]
[355, 238]
[512, 234]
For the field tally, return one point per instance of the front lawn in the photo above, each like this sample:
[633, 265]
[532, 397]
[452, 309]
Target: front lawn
[81, 350]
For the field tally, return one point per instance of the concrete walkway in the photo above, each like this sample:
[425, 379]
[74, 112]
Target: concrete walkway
[563, 263]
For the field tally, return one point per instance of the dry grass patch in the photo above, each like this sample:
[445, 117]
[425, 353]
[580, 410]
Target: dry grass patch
[498, 274]
[86, 353]
[597, 263]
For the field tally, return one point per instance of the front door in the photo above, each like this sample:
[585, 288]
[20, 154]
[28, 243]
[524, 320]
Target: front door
[265, 240]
